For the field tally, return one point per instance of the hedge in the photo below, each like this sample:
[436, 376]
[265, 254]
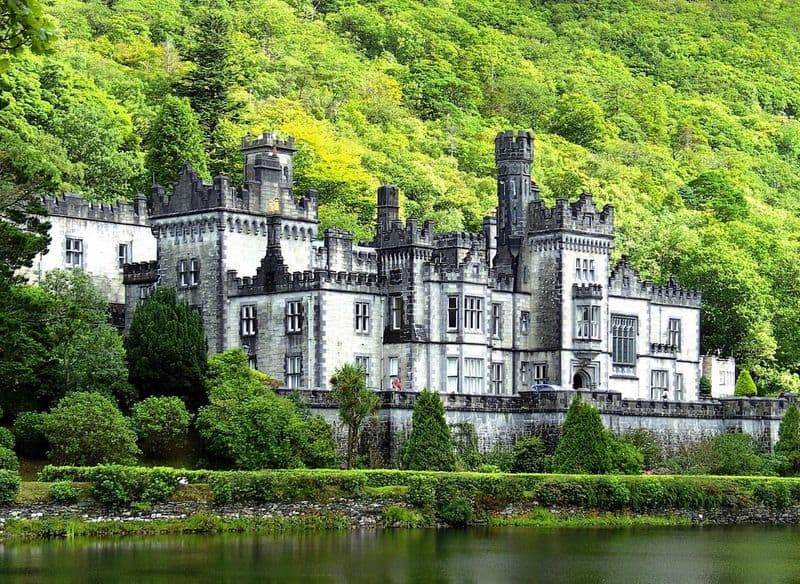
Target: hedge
[433, 491]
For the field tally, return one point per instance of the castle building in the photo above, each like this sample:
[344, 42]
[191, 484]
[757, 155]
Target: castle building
[532, 299]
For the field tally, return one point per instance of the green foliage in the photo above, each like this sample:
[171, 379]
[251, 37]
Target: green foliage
[579, 119]
[626, 458]
[9, 486]
[167, 350]
[23, 24]
[6, 438]
[62, 492]
[29, 434]
[160, 423]
[745, 386]
[176, 138]
[788, 443]
[8, 459]
[528, 455]
[88, 428]
[429, 446]
[712, 191]
[87, 351]
[457, 512]
[465, 445]
[648, 444]
[705, 387]
[356, 403]
[246, 424]
[584, 445]
[736, 455]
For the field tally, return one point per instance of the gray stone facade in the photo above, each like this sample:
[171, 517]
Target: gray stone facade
[533, 298]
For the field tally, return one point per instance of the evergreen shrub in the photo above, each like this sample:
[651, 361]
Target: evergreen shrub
[9, 486]
[160, 424]
[62, 492]
[6, 438]
[29, 434]
[745, 386]
[430, 445]
[585, 445]
[528, 455]
[8, 459]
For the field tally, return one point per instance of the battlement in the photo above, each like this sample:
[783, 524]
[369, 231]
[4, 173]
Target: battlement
[399, 235]
[587, 291]
[305, 281]
[582, 215]
[460, 239]
[267, 140]
[512, 145]
[624, 281]
[75, 206]
[140, 273]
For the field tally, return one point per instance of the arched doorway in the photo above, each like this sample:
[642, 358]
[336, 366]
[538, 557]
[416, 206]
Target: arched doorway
[580, 380]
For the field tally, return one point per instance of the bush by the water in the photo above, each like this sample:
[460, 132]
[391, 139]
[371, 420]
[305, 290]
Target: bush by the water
[29, 434]
[584, 443]
[648, 444]
[160, 423]
[429, 446]
[62, 492]
[528, 455]
[8, 459]
[9, 486]
[88, 428]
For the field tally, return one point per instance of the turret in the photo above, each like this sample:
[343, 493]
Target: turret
[388, 207]
[515, 190]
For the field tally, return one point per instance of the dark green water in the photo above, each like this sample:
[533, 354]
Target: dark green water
[671, 555]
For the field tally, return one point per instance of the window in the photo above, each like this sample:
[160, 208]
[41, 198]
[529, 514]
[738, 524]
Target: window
[144, 294]
[294, 316]
[183, 273]
[363, 362]
[591, 270]
[523, 374]
[194, 272]
[394, 369]
[248, 324]
[473, 375]
[395, 312]
[452, 374]
[525, 322]
[497, 378]
[294, 371]
[584, 270]
[74, 253]
[539, 373]
[674, 333]
[659, 383]
[497, 320]
[252, 361]
[452, 313]
[578, 269]
[473, 313]
[123, 254]
[679, 386]
[588, 322]
[362, 318]
[623, 339]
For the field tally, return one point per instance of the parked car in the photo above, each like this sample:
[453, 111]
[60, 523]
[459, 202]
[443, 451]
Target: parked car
[546, 387]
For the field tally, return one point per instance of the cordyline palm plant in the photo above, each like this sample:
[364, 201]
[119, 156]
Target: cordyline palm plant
[356, 402]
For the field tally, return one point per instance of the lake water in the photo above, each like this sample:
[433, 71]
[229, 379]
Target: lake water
[674, 555]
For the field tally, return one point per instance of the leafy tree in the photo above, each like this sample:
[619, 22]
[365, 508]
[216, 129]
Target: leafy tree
[736, 454]
[580, 120]
[23, 23]
[87, 351]
[246, 424]
[167, 350]
[626, 458]
[160, 423]
[356, 403]
[789, 437]
[29, 434]
[584, 446]
[528, 455]
[87, 428]
[175, 138]
[429, 446]
[712, 191]
[745, 386]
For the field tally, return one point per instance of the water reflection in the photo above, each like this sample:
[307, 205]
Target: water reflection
[459, 556]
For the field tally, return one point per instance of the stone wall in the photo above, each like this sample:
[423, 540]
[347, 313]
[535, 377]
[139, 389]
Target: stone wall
[502, 420]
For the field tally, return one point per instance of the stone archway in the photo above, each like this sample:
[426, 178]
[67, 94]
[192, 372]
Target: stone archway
[581, 380]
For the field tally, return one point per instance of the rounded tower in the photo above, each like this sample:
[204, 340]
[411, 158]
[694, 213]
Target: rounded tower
[513, 153]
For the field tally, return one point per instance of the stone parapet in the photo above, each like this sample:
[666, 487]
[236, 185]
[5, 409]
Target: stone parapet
[140, 273]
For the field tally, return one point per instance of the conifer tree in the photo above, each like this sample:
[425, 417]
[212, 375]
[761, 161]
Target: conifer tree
[745, 386]
[789, 432]
[175, 138]
[429, 446]
[214, 76]
[584, 446]
[167, 349]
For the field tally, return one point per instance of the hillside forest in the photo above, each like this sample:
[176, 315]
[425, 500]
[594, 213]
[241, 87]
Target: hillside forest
[683, 114]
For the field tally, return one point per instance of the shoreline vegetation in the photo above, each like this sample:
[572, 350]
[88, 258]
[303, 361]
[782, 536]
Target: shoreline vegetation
[311, 500]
